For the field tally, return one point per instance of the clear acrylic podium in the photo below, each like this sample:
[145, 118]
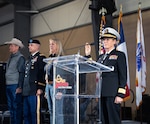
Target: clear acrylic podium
[67, 71]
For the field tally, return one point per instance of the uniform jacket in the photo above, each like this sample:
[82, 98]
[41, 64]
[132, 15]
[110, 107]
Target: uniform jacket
[114, 82]
[34, 75]
[50, 73]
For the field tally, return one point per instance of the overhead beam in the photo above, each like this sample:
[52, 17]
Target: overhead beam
[55, 5]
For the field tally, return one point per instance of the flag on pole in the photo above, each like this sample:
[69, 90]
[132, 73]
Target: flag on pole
[122, 47]
[140, 61]
[102, 25]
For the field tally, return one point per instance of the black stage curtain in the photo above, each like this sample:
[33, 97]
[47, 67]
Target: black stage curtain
[95, 7]
[2, 84]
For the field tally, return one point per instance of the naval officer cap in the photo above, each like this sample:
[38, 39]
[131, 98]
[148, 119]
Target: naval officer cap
[110, 33]
[34, 41]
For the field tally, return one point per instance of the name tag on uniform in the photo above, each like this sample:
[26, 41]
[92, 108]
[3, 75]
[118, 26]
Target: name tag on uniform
[114, 57]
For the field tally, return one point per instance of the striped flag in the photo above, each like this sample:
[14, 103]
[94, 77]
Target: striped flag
[102, 25]
[140, 62]
[122, 47]
[101, 51]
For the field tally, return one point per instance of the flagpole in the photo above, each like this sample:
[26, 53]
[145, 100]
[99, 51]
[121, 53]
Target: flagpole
[119, 20]
[122, 47]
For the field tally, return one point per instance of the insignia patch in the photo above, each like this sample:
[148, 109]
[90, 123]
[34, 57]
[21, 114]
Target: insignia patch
[113, 57]
[34, 60]
[106, 31]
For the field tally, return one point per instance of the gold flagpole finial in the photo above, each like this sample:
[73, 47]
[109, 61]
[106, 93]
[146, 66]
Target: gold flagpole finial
[102, 11]
[120, 7]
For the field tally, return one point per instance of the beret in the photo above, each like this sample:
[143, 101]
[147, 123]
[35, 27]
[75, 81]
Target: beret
[34, 41]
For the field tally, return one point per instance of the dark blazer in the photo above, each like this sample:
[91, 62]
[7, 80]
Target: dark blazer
[34, 74]
[114, 82]
[50, 73]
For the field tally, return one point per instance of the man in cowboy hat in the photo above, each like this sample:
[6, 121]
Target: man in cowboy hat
[15, 68]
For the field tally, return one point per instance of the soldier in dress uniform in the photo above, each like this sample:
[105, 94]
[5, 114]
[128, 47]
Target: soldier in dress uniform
[114, 82]
[34, 84]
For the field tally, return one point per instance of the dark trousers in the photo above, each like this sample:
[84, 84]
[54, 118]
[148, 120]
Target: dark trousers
[110, 111]
[31, 112]
[14, 104]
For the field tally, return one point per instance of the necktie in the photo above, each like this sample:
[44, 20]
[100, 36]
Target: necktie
[102, 59]
[105, 55]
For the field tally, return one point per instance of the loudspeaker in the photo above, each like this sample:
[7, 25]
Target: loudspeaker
[143, 113]
[126, 113]
[3, 99]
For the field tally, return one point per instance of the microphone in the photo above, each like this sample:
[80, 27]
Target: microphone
[93, 43]
[80, 47]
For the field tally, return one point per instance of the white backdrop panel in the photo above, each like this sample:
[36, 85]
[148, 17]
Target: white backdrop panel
[61, 18]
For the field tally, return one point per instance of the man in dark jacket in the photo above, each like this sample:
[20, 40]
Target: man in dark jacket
[34, 84]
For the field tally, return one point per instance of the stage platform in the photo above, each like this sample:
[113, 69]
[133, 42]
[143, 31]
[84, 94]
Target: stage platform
[128, 122]
[122, 122]
[132, 122]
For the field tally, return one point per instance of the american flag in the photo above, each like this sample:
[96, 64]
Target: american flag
[101, 51]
